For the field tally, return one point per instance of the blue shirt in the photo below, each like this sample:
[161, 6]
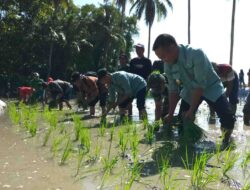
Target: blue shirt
[193, 70]
[125, 84]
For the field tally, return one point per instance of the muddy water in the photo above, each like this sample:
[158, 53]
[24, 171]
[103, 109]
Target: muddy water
[24, 164]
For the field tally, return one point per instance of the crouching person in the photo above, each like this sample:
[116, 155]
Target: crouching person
[91, 90]
[157, 84]
[58, 92]
[25, 92]
[123, 88]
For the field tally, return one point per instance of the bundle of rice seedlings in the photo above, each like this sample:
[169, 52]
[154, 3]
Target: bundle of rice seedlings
[191, 133]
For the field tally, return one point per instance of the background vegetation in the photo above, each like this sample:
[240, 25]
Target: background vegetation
[56, 37]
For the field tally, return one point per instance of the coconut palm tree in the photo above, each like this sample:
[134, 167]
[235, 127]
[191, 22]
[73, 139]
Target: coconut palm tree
[151, 8]
[55, 4]
[232, 33]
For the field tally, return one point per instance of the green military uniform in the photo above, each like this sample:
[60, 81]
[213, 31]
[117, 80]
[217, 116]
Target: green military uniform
[36, 83]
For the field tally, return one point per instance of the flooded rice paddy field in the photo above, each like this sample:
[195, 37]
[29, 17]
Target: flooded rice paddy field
[70, 150]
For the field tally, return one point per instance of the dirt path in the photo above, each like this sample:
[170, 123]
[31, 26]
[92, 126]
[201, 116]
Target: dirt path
[24, 167]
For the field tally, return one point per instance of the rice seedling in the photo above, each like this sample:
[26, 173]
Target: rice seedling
[191, 133]
[47, 135]
[96, 154]
[84, 137]
[200, 178]
[62, 128]
[134, 142]
[246, 186]
[127, 128]
[145, 123]
[111, 139]
[185, 161]
[14, 114]
[218, 150]
[109, 164]
[123, 142]
[32, 126]
[229, 161]
[77, 126]
[66, 151]
[80, 156]
[56, 143]
[245, 161]
[150, 136]
[134, 174]
[165, 175]
[102, 128]
[31, 122]
[46, 113]
[25, 115]
[53, 119]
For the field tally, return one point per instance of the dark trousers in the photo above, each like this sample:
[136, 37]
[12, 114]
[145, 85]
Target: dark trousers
[233, 96]
[140, 100]
[102, 98]
[221, 106]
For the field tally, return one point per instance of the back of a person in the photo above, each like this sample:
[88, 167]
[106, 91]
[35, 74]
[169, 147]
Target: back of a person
[136, 82]
[89, 82]
[63, 84]
[188, 72]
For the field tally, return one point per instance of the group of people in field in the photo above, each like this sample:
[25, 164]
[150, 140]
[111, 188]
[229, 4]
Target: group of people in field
[183, 73]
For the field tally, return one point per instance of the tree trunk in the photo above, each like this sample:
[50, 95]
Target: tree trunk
[149, 38]
[189, 21]
[50, 59]
[232, 33]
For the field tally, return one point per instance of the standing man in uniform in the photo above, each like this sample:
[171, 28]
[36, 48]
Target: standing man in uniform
[140, 65]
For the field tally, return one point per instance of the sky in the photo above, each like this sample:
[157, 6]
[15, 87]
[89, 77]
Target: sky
[210, 29]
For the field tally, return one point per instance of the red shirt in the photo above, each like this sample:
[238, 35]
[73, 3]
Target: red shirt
[25, 91]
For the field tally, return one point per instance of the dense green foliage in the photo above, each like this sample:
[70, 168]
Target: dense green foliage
[55, 38]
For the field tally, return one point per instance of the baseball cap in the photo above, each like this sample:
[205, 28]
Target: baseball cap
[139, 45]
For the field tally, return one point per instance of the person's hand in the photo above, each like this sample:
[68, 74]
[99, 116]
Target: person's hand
[168, 118]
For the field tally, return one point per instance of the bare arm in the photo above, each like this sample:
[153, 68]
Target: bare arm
[196, 96]
[173, 99]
